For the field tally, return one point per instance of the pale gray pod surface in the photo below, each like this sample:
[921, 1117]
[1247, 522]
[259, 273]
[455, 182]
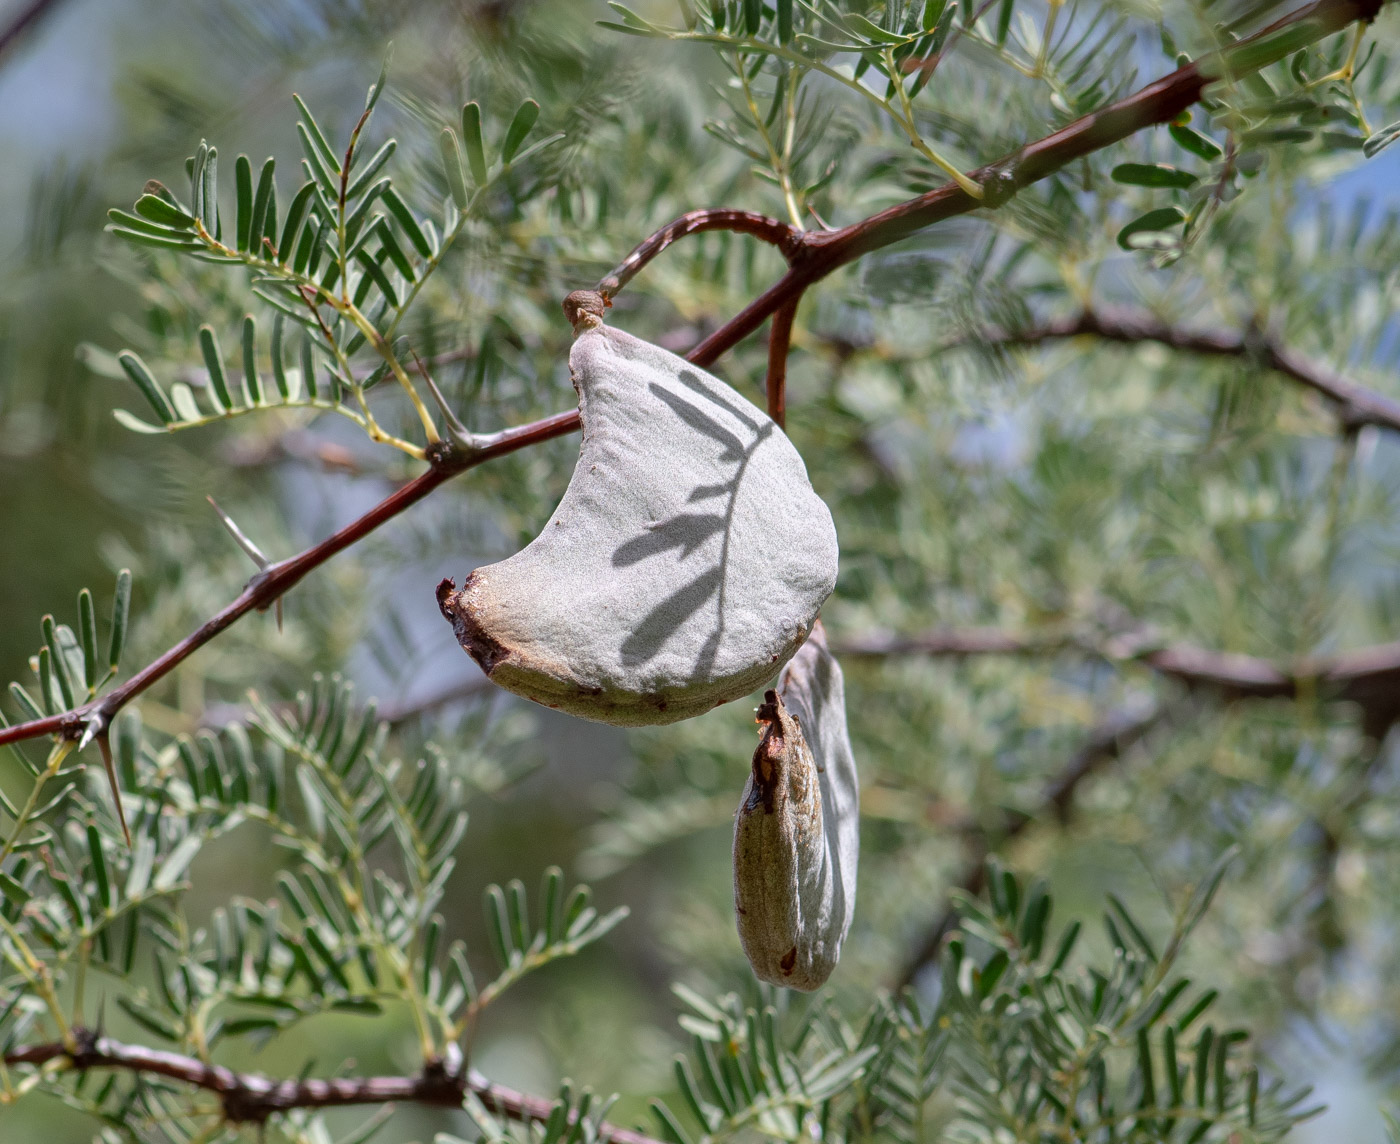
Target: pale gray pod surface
[684, 565]
[797, 832]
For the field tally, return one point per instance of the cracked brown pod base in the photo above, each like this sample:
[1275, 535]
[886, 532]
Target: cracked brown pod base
[685, 564]
[797, 833]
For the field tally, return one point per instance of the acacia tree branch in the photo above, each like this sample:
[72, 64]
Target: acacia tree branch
[253, 1098]
[812, 255]
[1368, 676]
[787, 238]
[280, 577]
[822, 252]
[1106, 744]
[1356, 404]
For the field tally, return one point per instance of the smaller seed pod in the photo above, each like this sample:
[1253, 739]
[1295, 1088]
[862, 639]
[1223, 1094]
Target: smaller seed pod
[797, 832]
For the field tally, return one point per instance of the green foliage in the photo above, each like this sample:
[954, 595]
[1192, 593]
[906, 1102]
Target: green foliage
[1083, 496]
[1026, 1041]
[339, 267]
[70, 669]
[352, 927]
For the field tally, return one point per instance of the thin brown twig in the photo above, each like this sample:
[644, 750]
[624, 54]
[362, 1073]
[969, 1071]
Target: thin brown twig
[1356, 404]
[279, 577]
[779, 342]
[787, 238]
[252, 1098]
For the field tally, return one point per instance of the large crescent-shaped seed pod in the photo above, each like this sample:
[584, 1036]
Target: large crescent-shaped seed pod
[797, 833]
[685, 563]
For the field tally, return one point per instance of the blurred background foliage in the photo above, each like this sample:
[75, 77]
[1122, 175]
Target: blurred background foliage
[1071, 488]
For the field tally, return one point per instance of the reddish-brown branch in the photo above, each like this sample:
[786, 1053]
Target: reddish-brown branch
[788, 239]
[278, 578]
[252, 1098]
[825, 251]
[779, 342]
[1356, 405]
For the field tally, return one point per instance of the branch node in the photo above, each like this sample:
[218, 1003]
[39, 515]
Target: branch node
[242, 1105]
[584, 309]
[998, 186]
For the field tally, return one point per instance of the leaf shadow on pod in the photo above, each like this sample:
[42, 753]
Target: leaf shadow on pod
[689, 531]
[685, 564]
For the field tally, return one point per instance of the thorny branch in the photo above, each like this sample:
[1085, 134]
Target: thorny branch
[251, 1098]
[1356, 405]
[812, 255]
[279, 577]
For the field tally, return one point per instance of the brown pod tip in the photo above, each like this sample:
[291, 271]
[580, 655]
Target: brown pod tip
[457, 610]
[770, 746]
[584, 309]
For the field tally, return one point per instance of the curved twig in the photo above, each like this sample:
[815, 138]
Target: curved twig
[787, 238]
